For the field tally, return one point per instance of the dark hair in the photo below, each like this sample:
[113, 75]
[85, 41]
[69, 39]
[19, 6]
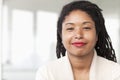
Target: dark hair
[103, 46]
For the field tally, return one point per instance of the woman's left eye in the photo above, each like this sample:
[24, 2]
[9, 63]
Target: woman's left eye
[87, 28]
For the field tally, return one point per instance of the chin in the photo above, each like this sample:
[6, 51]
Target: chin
[78, 54]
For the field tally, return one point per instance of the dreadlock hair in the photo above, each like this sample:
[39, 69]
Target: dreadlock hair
[104, 45]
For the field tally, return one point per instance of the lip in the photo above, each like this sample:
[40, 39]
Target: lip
[78, 44]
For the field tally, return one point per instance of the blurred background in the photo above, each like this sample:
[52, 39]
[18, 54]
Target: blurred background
[29, 34]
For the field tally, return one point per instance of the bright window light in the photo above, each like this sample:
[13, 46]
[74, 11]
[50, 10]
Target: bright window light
[112, 25]
[46, 35]
[5, 37]
[22, 37]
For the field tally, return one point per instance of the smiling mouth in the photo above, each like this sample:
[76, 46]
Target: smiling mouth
[78, 44]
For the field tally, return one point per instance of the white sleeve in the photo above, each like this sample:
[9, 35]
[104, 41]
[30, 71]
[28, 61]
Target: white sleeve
[41, 74]
[118, 78]
[116, 72]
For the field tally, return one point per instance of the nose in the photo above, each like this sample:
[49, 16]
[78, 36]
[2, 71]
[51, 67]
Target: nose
[78, 34]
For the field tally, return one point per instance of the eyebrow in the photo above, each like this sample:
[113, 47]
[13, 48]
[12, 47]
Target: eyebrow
[69, 23]
[87, 22]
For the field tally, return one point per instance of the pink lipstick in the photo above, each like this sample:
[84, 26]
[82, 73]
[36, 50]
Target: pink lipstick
[78, 44]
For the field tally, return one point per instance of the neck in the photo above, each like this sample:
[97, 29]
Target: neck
[82, 63]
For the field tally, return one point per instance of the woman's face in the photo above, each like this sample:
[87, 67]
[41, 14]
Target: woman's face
[78, 33]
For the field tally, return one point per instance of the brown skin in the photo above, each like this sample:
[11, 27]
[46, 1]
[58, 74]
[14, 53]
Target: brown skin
[79, 27]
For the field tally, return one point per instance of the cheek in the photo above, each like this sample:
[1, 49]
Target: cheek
[66, 38]
[92, 37]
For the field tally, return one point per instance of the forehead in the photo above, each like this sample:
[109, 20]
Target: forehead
[78, 16]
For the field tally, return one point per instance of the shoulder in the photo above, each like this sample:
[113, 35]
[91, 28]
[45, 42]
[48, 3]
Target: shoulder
[47, 71]
[105, 62]
[56, 64]
[110, 68]
[53, 64]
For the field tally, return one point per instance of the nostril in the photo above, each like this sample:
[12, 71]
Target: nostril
[78, 36]
[78, 33]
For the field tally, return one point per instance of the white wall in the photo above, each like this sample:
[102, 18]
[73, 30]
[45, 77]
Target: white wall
[0, 38]
[111, 13]
[20, 62]
[35, 7]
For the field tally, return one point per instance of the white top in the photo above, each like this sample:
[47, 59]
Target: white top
[101, 69]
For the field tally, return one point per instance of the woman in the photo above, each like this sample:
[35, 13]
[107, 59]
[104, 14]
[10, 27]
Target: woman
[84, 47]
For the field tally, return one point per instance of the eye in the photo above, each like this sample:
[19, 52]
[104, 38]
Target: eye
[87, 28]
[70, 29]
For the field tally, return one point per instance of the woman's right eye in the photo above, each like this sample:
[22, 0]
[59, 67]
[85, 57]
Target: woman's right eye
[70, 29]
